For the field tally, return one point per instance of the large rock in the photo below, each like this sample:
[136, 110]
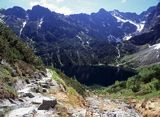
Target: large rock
[45, 86]
[30, 95]
[47, 104]
[27, 81]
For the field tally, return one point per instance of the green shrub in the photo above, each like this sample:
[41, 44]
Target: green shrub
[12, 48]
[145, 84]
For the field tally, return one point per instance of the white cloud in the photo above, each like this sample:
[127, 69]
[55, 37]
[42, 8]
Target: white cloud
[60, 1]
[123, 1]
[52, 6]
[64, 10]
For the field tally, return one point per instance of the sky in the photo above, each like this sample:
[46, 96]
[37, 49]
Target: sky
[82, 6]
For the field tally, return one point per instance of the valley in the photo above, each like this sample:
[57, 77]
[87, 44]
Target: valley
[103, 64]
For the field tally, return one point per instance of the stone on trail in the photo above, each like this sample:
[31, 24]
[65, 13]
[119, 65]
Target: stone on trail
[47, 104]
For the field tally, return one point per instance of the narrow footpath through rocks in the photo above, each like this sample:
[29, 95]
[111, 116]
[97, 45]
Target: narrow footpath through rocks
[34, 100]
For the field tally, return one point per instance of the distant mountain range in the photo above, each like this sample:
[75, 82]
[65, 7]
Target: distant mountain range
[82, 39]
[148, 41]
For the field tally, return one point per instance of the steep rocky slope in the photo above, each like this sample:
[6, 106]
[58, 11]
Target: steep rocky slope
[147, 56]
[147, 42]
[75, 39]
[150, 33]
[83, 39]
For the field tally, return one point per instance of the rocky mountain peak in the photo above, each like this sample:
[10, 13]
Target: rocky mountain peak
[38, 12]
[102, 10]
[16, 11]
[153, 18]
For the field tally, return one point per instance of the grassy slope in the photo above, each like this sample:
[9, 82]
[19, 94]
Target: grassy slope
[70, 95]
[72, 86]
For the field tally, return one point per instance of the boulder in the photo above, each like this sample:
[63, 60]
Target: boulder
[44, 90]
[12, 101]
[27, 81]
[45, 86]
[21, 100]
[30, 95]
[47, 104]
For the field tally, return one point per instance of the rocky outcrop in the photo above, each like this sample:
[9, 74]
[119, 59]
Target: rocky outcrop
[29, 103]
[147, 107]
[103, 107]
[36, 100]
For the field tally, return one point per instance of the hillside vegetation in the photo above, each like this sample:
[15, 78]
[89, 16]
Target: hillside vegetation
[17, 61]
[12, 49]
[145, 84]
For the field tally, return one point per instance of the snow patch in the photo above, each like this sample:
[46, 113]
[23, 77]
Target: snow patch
[23, 25]
[127, 37]
[156, 46]
[88, 42]
[139, 26]
[82, 42]
[40, 23]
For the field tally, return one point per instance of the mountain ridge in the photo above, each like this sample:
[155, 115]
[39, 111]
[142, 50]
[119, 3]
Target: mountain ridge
[78, 39]
[84, 32]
